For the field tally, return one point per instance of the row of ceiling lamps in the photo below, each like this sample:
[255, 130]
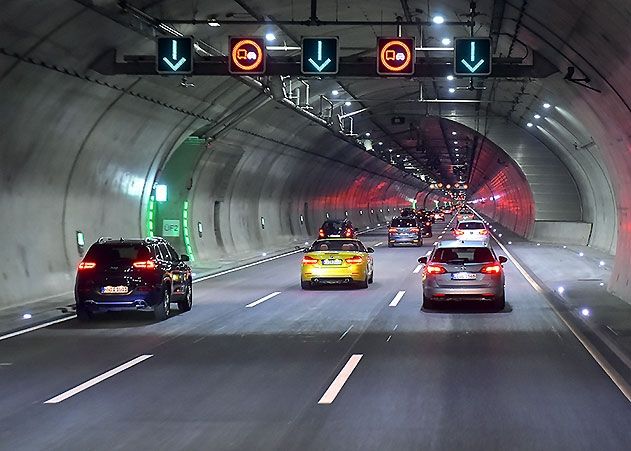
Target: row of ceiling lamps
[546, 105]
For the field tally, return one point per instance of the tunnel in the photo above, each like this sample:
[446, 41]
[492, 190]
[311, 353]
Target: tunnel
[236, 169]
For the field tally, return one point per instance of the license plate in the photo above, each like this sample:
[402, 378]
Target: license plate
[463, 276]
[335, 236]
[120, 289]
[335, 261]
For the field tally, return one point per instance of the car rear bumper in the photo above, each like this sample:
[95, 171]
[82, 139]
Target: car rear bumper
[404, 239]
[463, 294]
[133, 301]
[334, 275]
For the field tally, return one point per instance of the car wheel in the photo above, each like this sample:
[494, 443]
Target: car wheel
[163, 308]
[420, 243]
[83, 314]
[390, 245]
[428, 303]
[372, 277]
[364, 283]
[305, 285]
[500, 303]
[187, 303]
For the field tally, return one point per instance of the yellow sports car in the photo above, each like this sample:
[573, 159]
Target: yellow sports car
[337, 261]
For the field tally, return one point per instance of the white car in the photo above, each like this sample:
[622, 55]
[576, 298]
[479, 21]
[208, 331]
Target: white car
[471, 230]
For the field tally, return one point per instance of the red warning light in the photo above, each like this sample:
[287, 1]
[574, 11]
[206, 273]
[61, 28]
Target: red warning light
[247, 55]
[396, 56]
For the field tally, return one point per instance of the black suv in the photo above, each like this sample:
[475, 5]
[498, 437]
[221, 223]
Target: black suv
[133, 275]
[337, 228]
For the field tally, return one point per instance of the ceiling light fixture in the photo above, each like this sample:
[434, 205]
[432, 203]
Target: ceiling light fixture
[335, 92]
[446, 41]
[537, 116]
[546, 105]
[438, 20]
[452, 90]
[453, 133]
[450, 77]
[270, 37]
[347, 103]
[529, 124]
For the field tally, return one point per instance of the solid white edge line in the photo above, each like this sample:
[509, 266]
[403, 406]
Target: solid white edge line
[39, 326]
[615, 377]
[396, 299]
[417, 269]
[336, 386]
[378, 244]
[263, 299]
[87, 384]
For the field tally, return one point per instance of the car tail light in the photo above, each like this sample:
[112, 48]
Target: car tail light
[414, 230]
[428, 223]
[145, 264]
[484, 232]
[458, 232]
[435, 269]
[307, 260]
[321, 233]
[493, 268]
[392, 230]
[349, 233]
[87, 265]
[354, 260]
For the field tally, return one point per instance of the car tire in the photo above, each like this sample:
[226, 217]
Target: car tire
[420, 243]
[372, 277]
[500, 303]
[364, 283]
[187, 303]
[83, 314]
[162, 309]
[428, 304]
[305, 285]
[390, 245]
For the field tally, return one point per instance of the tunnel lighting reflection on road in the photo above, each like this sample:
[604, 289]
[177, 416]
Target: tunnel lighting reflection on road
[438, 20]
[601, 263]
[27, 316]
[585, 312]
[580, 254]
[560, 290]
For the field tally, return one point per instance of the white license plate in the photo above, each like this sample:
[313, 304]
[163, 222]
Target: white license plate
[335, 236]
[335, 261]
[120, 289]
[463, 276]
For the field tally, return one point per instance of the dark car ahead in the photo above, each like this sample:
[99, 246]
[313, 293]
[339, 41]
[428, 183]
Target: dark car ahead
[404, 231]
[337, 228]
[425, 223]
[133, 274]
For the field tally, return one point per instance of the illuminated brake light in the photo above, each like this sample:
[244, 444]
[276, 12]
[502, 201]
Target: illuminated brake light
[145, 264]
[392, 230]
[435, 269]
[493, 268]
[428, 223]
[414, 229]
[484, 232]
[349, 232]
[354, 260]
[458, 232]
[307, 260]
[87, 265]
[321, 233]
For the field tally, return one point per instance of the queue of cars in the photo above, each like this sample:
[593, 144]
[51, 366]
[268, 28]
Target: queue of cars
[148, 274]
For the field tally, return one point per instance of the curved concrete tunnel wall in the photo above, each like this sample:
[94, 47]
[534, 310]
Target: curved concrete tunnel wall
[83, 155]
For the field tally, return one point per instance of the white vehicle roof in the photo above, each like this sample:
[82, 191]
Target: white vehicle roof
[462, 243]
[465, 221]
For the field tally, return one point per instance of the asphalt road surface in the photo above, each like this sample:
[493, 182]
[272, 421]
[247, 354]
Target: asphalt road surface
[329, 369]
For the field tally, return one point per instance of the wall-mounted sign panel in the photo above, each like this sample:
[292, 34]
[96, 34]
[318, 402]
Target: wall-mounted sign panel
[320, 56]
[472, 56]
[247, 55]
[171, 227]
[396, 56]
[174, 56]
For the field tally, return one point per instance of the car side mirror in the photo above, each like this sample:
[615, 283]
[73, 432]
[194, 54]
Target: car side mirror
[503, 259]
[370, 250]
[184, 258]
[422, 260]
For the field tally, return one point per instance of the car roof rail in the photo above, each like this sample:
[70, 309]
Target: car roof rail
[104, 239]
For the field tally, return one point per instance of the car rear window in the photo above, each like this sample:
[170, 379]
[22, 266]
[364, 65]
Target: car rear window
[471, 225]
[463, 255]
[403, 222]
[117, 252]
[337, 245]
[332, 226]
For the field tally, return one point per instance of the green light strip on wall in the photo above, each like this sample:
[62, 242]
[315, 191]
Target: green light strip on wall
[150, 217]
[187, 238]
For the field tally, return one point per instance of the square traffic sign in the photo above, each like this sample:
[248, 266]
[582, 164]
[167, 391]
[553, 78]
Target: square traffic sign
[247, 55]
[174, 55]
[396, 56]
[472, 56]
[320, 56]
